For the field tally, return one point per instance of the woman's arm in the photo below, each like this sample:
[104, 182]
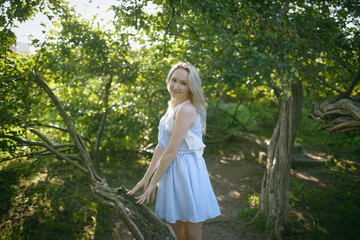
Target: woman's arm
[153, 165]
[185, 117]
[154, 162]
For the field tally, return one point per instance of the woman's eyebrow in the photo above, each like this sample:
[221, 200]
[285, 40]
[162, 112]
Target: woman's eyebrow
[179, 79]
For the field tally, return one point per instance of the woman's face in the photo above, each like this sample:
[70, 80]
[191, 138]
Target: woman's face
[179, 85]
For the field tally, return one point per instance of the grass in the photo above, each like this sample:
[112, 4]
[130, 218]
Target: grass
[329, 208]
[50, 199]
[325, 209]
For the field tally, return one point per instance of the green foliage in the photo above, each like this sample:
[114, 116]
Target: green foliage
[313, 136]
[12, 11]
[253, 112]
[45, 197]
[249, 213]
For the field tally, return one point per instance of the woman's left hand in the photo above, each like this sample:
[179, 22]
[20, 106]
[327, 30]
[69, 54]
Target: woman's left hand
[149, 193]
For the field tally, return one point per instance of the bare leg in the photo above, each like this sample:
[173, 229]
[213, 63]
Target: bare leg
[193, 231]
[179, 229]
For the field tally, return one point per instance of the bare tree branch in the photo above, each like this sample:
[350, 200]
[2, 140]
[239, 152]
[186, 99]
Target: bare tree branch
[277, 89]
[48, 147]
[48, 126]
[331, 86]
[79, 143]
[234, 118]
[337, 60]
[42, 137]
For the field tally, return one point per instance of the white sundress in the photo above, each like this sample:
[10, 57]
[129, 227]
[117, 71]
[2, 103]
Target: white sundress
[185, 192]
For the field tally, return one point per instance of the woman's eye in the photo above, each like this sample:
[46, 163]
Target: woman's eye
[184, 83]
[173, 80]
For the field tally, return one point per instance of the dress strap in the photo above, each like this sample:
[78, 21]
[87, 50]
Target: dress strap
[194, 143]
[180, 105]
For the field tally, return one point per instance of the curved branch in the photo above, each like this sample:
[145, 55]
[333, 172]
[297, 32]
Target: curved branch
[234, 118]
[37, 123]
[154, 93]
[42, 153]
[48, 147]
[142, 222]
[79, 143]
[43, 137]
[332, 87]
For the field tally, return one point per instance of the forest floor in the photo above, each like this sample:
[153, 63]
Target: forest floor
[43, 197]
[236, 171]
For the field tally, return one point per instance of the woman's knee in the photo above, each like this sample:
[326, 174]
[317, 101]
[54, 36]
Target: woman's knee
[193, 231]
[179, 230]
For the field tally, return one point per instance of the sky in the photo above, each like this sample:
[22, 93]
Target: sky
[83, 7]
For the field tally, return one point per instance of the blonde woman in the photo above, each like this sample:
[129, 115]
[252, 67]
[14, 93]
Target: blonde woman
[185, 197]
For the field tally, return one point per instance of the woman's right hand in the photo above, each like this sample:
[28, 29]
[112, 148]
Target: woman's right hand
[142, 184]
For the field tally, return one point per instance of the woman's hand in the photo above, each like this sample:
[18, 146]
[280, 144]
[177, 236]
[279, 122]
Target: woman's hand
[142, 184]
[149, 192]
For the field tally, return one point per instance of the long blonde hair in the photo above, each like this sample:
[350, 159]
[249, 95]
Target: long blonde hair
[196, 92]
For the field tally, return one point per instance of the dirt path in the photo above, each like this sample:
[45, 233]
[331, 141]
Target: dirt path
[234, 174]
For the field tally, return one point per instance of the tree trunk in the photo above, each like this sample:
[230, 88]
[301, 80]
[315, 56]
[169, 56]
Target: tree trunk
[274, 195]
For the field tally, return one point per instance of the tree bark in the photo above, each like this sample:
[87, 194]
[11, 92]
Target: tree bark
[141, 221]
[274, 195]
[337, 115]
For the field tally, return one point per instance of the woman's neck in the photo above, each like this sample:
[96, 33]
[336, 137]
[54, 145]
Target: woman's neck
[178, 102]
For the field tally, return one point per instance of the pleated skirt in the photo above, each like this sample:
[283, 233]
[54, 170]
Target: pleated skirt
[185, 192]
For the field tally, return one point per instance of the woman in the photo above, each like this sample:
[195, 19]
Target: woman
[185, 197]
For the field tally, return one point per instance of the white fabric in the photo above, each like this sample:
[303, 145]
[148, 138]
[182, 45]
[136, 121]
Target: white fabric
[194, 143]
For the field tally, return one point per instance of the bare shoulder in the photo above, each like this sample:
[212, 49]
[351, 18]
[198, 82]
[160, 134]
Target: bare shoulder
[188, 112]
